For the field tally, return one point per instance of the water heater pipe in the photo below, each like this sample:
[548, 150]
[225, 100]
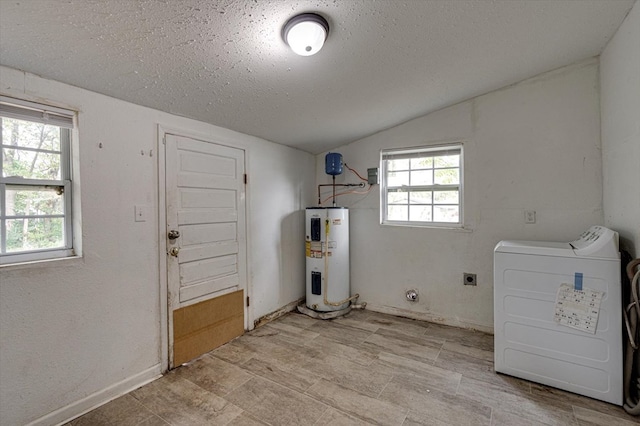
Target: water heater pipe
[326, 270]
[359, 185]
[334, 191]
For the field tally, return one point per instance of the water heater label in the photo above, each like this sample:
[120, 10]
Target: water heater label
[337, 221]
[316, 249]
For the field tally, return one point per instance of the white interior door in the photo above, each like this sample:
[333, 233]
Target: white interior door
[205, 224]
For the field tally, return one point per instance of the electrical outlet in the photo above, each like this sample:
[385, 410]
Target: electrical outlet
[469, 279]
[529, 216]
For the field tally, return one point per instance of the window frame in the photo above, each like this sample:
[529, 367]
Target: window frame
[418, 152]
[65, 120]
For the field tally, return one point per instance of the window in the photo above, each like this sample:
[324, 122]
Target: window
[35, 181]
[422, 186]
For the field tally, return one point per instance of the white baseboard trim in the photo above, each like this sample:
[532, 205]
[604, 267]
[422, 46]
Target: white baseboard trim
[95, 400]
[425, 316]
[277, 313]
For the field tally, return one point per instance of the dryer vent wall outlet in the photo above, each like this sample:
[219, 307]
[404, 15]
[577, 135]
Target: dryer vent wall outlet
[469, 279]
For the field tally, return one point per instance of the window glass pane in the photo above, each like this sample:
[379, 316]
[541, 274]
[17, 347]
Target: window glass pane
[30, 135]
[446, 214]
[33, 163]
[420, 214]
[398, 164]
[34, 234]
[396, 197]
[422, 177]
[30, 164]
[397, 179]
[447, 161]
[445, 197]
[429, 181]
[422, 163]
[446, 176]
[420, 197]
[26, 201]
[397, 213]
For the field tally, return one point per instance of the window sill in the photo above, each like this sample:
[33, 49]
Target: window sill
[459, 228]
[44, 263]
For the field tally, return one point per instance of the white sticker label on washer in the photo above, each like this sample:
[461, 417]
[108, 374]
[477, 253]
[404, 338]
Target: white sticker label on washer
[578, 309]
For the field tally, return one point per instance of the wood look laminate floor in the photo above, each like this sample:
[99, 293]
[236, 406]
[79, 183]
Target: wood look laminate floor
[364, 368]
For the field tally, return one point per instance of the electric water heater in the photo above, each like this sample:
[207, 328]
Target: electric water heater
[327, 254]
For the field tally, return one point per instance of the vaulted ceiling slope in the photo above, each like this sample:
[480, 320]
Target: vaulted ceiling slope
[224, 61]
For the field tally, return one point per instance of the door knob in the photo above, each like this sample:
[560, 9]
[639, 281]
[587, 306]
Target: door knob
[174, 251]
[173, 234]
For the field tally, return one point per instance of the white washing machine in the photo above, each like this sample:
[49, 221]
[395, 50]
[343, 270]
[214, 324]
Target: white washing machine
[528, 342]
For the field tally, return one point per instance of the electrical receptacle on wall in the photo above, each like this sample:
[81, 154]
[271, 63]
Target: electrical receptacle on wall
[529, 216]
[469, 279]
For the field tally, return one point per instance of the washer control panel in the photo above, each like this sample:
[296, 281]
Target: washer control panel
[597, 241]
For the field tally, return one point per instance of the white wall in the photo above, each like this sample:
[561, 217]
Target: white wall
[620, 104]
[534, 145]
[74, 333]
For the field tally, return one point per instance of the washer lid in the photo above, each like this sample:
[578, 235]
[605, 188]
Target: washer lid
[596, 242]
[541, 248]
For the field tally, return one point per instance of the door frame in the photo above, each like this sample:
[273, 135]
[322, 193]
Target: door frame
[165, 316]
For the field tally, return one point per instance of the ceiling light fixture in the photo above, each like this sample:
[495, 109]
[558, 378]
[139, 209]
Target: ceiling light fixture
[306, 33]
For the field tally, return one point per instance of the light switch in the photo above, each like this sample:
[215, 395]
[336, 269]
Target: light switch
[141, 213]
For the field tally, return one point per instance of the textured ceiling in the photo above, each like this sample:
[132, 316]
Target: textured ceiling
[224, 62]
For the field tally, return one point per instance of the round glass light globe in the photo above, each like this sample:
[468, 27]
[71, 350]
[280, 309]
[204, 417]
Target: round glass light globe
[306, 38]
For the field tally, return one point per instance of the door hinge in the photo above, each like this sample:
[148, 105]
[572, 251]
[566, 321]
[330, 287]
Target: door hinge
[245, 178]
[247, 300]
